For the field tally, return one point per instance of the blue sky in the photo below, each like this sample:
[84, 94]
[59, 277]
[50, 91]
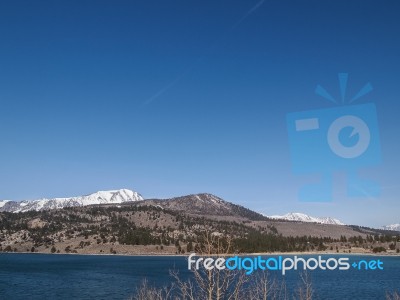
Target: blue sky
[177, 97]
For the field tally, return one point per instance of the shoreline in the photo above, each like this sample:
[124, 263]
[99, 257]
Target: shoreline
[220, 255]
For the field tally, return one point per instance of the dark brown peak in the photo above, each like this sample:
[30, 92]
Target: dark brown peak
[200, 196]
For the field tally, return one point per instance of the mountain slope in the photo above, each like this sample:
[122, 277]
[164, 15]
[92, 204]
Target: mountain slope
[101, 197]
[300, 217]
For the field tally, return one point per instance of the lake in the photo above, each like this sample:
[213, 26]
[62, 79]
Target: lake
[46, 276]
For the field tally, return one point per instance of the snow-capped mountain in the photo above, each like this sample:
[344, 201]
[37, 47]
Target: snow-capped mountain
[300, 217]
[3, 202]
[394, 227]
[101, 197]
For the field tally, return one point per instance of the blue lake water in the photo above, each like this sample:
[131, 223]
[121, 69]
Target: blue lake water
[45, 276]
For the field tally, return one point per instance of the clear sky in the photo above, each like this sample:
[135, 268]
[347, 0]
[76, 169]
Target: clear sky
[177, 97]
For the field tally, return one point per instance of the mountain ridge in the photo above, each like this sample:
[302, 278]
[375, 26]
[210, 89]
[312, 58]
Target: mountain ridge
[301, 217]
[195, 204]
[99, 197]
[392, 227]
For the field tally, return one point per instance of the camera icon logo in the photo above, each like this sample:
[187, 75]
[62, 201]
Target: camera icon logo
[342, 138]
[359, 127]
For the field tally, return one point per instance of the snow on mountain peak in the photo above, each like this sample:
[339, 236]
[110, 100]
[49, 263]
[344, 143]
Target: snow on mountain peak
[394, 227]
[3, 202]
[300, 217]
[100, 197]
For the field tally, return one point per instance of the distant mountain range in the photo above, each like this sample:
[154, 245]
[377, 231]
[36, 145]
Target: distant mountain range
[121, 210]
[300, 217]
[101, 197]
[394, 227]
[204, 204]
